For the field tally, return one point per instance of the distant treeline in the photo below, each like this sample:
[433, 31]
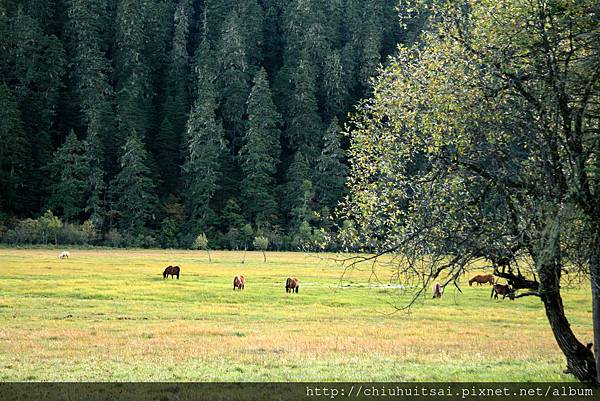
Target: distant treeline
[149, 122]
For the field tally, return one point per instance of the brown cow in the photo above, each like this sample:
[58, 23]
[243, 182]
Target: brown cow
[171, 270]
[292, 284]
[438, 290]
[239, 282]
[482, 279]
[502, 289]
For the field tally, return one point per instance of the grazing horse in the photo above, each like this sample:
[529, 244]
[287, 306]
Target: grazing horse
[438, 290]
[64, 254]
[239, 282]
[171, 270]
[502, 289]
[482, 279]
[292, 285]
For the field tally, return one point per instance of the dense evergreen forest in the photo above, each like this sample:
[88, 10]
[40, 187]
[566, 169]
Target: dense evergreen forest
[149, 122]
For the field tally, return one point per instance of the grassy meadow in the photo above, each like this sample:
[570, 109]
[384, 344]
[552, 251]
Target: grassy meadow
[106, 315]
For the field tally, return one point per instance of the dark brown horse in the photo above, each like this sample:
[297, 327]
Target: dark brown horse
[239, 282]
[292, 284]
[437, 290]
[171, 270]
[482, 279]
[502, 289]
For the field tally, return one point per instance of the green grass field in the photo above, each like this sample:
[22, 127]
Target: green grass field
[106, 315]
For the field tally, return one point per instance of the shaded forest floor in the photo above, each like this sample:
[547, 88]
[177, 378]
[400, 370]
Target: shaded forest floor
[107, 315]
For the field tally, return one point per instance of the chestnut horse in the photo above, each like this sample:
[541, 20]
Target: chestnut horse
[502, 289]
[482, 279]
[239, 282]
[171, 270]
[292, 284]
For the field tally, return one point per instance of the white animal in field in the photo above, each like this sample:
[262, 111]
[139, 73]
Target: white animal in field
[64, 254]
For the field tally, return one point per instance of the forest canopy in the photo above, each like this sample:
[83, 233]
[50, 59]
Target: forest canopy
[153, 121]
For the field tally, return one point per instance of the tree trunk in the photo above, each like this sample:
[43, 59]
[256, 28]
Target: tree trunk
[580, 360]
[596, 317]
[208, 252]
[595, 282]
[264, 257]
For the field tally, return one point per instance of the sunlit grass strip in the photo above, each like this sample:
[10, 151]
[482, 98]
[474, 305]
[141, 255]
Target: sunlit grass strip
[109, 315]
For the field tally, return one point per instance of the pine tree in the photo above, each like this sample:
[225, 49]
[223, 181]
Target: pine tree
[334, 14]
[233, 77]
[370, 50]
[43, 11]
[239, 54]
[231, 217]
[134, 199]
[272, 37]
[179, 68]
[204, 65]
[331, 172]
[33, 65]
[132, 72]
[307, 33]
[304, 126]
[306, 38]
[213, 13]
[260, 154]
[168, 155]
[298, 191]
[95, 205]
[365, 26]
[334, 87]
[169, 138]
[69, 174]
[252, 19]
[91, 74]
[15, 153]
[205, 148]
[157, 25]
